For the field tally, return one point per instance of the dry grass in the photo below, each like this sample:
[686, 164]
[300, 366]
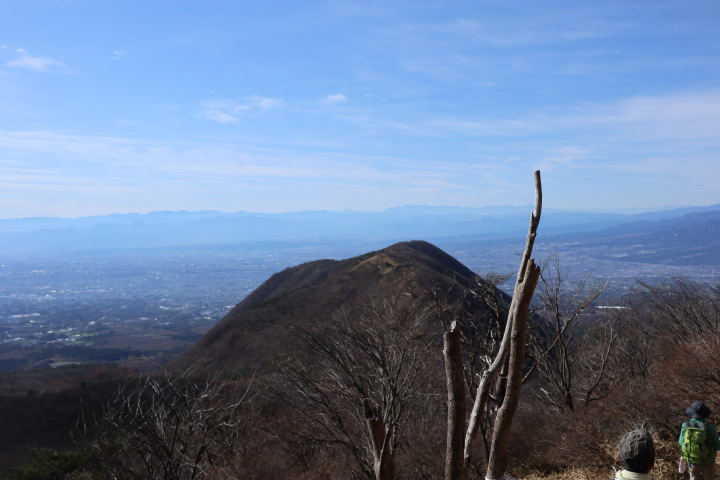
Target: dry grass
[574, 474]
[666, 465]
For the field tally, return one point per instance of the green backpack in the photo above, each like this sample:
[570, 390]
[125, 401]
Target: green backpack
[694, 443]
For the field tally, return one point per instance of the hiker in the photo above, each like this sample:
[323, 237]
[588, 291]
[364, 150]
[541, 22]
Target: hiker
[699, 442]
[636, 452]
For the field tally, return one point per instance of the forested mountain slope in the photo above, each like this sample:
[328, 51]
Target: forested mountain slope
[252, 332]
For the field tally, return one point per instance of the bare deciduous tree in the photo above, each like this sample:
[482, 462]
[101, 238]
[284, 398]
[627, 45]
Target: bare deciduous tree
[174, 427]
[363, 374]
[577, 351]
[681, 308]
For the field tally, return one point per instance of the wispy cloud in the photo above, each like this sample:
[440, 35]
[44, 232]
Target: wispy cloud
[238, 176]
[692, 115]
[41, 64]
[336, 98]
[265, 103]
[222, 110]
[565, 157]
[127, 156]
[226, 110]
[219, 116]
[688, 115]
[118, 55]
[522, 31]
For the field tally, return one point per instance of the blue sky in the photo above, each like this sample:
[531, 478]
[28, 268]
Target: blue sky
[115, 106]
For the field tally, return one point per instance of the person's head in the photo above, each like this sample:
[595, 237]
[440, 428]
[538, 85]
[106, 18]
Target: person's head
[637, 451]
[698, 410]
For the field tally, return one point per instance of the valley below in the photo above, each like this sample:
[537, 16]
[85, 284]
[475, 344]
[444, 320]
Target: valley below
[139, 308]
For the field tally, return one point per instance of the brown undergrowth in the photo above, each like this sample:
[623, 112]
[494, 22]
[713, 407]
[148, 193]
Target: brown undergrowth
[665, 467]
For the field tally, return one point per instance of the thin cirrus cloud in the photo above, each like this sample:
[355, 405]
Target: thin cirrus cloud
[41, 64]
[336, 98]
[565, 157]
[688, 115]
[527, 32]
[132, 157]
[138, 164]
[226, 110]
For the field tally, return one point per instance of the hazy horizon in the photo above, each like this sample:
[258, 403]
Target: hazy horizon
[489, 208]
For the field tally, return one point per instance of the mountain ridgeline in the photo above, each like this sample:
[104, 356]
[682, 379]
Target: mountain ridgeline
[691, 239]
[351, 232]
[257, 328]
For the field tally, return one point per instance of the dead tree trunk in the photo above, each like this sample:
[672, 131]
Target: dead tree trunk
[454, 469]
[503, 421]
[515, 332]
[519, 311]
[383, 462]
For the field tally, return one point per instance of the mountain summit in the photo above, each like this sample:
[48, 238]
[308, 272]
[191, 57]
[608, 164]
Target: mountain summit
[252, 332]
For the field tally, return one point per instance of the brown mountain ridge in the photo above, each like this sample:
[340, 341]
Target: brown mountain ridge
[255, 330]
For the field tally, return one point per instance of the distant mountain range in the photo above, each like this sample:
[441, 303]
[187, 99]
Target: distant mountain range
[668, 232]
[690, 239]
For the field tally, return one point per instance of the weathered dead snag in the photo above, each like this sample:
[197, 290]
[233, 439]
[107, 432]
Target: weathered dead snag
[511, 353]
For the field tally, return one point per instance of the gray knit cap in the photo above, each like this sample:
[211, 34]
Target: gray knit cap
[637, 451]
